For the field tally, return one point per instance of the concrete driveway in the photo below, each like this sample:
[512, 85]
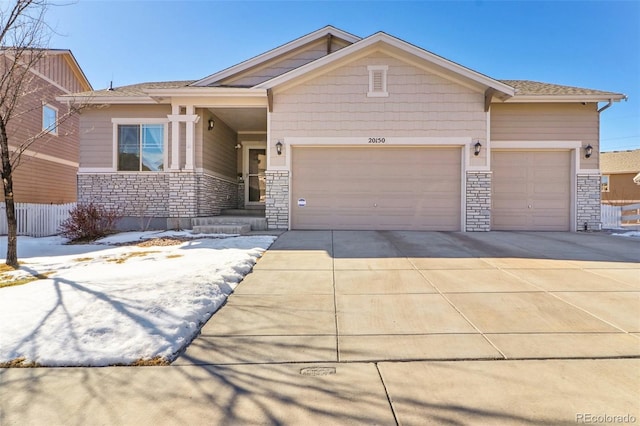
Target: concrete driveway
[389, 328]
[344, 296]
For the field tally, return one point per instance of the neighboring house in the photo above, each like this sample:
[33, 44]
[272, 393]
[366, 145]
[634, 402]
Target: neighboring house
[47, 171]
[334, 131]
[620, 177]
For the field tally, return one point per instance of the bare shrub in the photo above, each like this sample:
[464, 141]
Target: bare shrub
[89, 222]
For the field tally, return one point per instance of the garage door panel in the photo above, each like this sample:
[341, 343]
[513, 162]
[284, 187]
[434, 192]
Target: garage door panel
[531, 190]
[383, 188]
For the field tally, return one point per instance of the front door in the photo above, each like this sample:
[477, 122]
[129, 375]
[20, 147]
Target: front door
[255, 178]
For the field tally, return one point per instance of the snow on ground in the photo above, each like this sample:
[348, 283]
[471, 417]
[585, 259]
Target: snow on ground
[100, 304]
[628, 234]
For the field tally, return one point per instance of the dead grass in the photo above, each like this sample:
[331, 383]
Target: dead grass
[173, 256]
[150, 362]
[19, 363]
[6, 281]
[128, 256]
[6, 268]
[82, 259]
[164, 241]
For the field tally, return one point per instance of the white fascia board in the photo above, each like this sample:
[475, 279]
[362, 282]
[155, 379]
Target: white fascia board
[99, 100]
[564, 98]
[207, 91]
[274, 53]
[399, 44]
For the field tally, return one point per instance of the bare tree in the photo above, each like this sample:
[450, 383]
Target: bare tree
[24, 38]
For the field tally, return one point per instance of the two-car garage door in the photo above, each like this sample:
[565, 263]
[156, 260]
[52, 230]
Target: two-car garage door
[376, 188]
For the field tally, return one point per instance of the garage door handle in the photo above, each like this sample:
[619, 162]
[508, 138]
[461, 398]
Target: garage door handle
[529, 205]
[375, 205]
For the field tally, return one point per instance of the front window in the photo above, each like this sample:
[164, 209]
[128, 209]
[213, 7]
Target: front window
[604, 184]
[140, 147]
[49, 119]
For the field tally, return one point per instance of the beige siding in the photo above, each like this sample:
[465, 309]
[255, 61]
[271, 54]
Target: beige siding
[283, 64]
[45, 182]
[419, 104]
[548, 122]
[96, 130]
[219, 153]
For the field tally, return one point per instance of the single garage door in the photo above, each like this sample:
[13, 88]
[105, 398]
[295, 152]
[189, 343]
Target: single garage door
[531, 190]
[376, 188]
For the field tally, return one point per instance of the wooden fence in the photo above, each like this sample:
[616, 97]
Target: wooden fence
[617, 217]
[36, 220]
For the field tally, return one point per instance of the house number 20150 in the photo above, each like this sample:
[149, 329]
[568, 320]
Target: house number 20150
[377, 140]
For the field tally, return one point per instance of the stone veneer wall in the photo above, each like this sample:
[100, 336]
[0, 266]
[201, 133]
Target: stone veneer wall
[132, 194]
[215, 194]
[277, 204]
[588, 202]
[478, 190]
[161, 195]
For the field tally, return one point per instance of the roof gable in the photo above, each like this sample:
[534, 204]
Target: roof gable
[278, 52]
[380, 40]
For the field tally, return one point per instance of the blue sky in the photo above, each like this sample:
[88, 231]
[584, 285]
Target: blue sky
[592, 44]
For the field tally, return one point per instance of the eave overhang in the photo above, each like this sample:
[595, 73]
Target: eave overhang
[615, 97]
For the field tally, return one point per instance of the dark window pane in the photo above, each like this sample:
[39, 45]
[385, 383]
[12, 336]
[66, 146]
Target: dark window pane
[128, 147]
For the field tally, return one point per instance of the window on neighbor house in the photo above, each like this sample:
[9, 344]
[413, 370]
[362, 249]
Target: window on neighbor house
[604, 184]
[49, 119]
[140, 147]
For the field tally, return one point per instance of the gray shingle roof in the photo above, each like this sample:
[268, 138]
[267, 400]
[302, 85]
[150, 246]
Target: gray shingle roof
[136, 89]
[532, 88]
[620, 161]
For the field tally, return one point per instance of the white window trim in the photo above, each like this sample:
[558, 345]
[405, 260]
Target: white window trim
[608, 183]
[165, 142]
[53, 131]
[372, 93]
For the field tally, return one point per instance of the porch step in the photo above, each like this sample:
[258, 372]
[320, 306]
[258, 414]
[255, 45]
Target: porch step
[242, 212]
[256, 223]
[223, 228]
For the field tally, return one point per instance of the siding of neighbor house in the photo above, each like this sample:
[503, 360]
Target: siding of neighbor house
[335, 104]
[96, 129]
[57, 68]
[548, 122]
[622, 189]
[46, 173]
[283, 64]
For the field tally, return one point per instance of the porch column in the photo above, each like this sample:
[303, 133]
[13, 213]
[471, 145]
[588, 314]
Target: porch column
[175, 137]
[191, 120]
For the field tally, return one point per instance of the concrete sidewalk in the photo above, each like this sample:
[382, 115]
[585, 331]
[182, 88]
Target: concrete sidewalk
[387, 328]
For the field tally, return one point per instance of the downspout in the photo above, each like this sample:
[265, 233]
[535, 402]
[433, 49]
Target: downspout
[606, 106]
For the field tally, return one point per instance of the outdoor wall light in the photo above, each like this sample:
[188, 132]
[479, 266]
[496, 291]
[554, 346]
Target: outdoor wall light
[588, 151]
[211, 124]
[279, 147]
[476, 148]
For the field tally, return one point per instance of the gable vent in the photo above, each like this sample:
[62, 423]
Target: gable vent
[378, 81]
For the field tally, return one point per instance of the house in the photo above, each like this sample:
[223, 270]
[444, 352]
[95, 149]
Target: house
[620, 177]
[47, 170]
[334, 131]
